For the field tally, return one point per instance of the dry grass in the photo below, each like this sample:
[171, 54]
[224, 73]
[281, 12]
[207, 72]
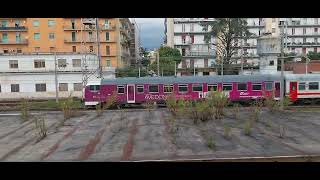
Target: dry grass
[25, 110]
[218, 101]
[40, 126]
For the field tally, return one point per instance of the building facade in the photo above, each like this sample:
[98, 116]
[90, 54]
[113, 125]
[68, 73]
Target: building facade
[26, 35]
[301, 35]
[33, 75]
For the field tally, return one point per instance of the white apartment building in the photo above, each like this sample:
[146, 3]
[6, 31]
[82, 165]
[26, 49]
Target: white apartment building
[32, 75]
[301, 35]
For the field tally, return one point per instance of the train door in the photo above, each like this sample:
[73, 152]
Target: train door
[277, 90]
[293, 91]
[131, 93]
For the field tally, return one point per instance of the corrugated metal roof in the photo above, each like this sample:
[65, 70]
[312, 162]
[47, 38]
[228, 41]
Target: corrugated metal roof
[191, 79]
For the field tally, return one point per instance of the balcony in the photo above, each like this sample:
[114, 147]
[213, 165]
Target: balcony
[70, 40]
[108, 27]
[306, 44]
[199, 54]
[22, 41]
[18, 28]
[304, 35]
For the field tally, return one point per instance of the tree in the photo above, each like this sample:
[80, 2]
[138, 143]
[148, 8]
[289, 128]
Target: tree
[313, 55]
[227, 31]
[130, 72]
[168, 57]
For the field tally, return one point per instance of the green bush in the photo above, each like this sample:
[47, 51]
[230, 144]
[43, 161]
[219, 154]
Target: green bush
[25, 110]
[171, 103]
[218, 101]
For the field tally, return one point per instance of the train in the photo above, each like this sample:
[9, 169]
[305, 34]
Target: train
[137, 90]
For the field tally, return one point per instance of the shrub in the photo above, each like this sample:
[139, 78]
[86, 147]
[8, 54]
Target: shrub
[67, 107]
[257, 105]
[40, 126]
[218, 101]
[203, 109]
[235, 111]
[110, 101]
[271, 103]
[171, 103]
[25, 107]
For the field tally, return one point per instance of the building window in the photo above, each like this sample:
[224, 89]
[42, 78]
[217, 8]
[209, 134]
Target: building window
[315, 50]
[183, 38]
[197, 87]
[271, 63]
[242, 86]
[302, 86]
[205, 73]
[18, 37]
[91, 48]
[41, 87]
[315, 20]
[36, 49]
[212, 87]
[120, 89]
[76, 62]
[62, 63]
[293, 49]
[74, 48]
[108, 62]
[36, 36]
[183, 88]
[94, 88]
[293, 31]
[183, 27]
[192, 39]
[304, 30]
[19, 50]
[107, 36]
[304, 50]
[5, 51]
[191, 27]
[227, 87]
[77, 86]
[4, 23]
[183, 52]
[140, 89]
[90, 36]
[52, 49]
[304, 40]
[51, 23]
[315, 40]
[63, 86]
[153, 88]
[35, 23]
[106, 24]
[313, 85]
[73, 23]
[73, 36]
[15, 88]
[13, 64]
[256, 87]
[269, 86]
[39, 64]
[4, 37]
[51, 36]
[168, 88]
[316, 30]
[107, 50]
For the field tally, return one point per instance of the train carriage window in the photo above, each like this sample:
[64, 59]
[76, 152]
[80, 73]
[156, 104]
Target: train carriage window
[120, 89]
[302, 86]
[168, 88]
[313, 85]
[197, 87]
[256, 87]
[227, 87]
[212, 87]
[269, 86]
[140, 89]
[183, 88]
[242, 86]
[153, 88]
[94, 87]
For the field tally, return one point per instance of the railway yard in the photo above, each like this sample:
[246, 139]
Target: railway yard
[156, 135]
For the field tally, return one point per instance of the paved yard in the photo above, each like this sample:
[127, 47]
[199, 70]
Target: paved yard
[126, 135]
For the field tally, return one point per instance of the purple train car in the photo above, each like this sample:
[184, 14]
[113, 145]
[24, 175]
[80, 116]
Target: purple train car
[139, 90]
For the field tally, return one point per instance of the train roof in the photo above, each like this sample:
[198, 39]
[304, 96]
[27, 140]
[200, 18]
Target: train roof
[191, 79]
[303, 77]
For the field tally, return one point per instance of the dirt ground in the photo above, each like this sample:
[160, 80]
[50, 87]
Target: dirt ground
[134, 135]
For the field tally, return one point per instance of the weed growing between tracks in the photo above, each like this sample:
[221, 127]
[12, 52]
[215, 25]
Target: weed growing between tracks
[110, 102]
[40, 127]
[25, 110]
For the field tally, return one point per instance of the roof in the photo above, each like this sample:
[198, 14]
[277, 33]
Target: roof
[303, 77]
[190, 79]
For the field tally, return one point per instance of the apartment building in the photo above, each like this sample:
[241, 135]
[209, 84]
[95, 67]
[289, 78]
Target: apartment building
[32, 75]
[20, 35]
[187, 35]
[301, 35]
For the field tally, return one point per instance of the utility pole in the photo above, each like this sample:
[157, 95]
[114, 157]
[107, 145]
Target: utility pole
[158, 63]
[139, 71]
[241, 56]
[98, 41]
[56, 76]
[222, 62]
[175, 68]
[282, 69]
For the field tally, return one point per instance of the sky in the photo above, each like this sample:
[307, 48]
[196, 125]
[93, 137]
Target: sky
[151, 32]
